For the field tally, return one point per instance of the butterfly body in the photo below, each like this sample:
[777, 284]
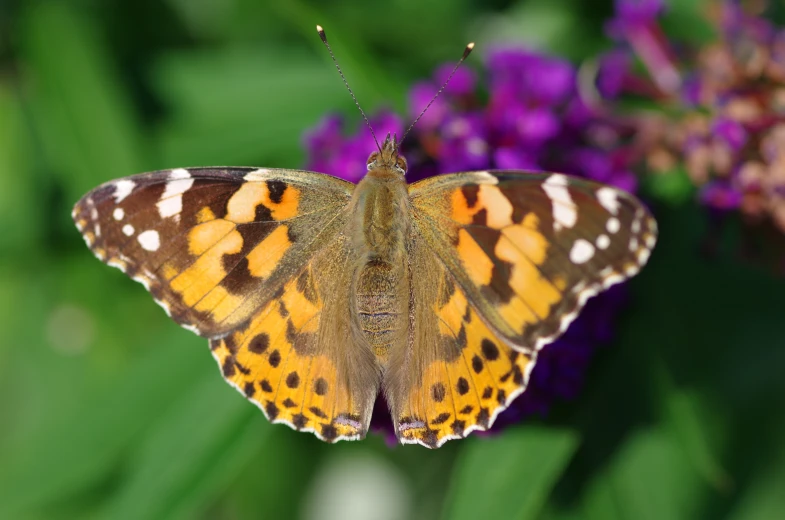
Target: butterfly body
[318, 295]
[382, 212]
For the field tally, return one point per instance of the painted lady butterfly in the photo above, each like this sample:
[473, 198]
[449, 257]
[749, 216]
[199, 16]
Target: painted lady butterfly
[317, 294]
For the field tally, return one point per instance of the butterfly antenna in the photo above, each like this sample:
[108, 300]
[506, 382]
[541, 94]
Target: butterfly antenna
[323, 36]
[466, 53]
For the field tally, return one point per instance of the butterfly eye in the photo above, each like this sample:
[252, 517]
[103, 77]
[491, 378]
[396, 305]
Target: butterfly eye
[400, 165]
[371, 165]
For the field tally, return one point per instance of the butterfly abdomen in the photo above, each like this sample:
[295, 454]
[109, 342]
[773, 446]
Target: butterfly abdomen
[379, 295]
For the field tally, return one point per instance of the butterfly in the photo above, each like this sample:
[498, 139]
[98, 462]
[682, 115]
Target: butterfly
[317, 295]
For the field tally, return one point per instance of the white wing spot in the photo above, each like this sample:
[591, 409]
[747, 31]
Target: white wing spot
[119, 264]
[633, 244]
[483, 176]
[179, 173]
[606, 272]
[128, 230]
[635, 227]
[171, 202]
[122, 189]
[581, 252]
[149, 240]
[609, 199]
[603, 241]
[564, 212]
[118, 213]
[262, 174]
[613, 225]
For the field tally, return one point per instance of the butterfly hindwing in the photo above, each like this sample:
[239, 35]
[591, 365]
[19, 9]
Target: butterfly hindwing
[212, 245]
[293, 359]
[459, 375]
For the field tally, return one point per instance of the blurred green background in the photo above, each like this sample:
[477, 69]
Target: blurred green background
[109, 410]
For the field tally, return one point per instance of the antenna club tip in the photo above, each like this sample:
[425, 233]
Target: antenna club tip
[320, 30]
[468, 50]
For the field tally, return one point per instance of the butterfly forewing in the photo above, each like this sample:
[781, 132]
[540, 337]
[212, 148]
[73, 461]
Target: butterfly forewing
[212, 245]
[528, 248]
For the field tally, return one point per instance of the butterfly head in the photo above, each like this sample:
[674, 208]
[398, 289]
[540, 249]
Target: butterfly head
[387, 157]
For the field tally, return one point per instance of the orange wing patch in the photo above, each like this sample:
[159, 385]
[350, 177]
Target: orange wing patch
[264, 258]
[273, 361]
[524, 248]
[477, 377]
[241, 208]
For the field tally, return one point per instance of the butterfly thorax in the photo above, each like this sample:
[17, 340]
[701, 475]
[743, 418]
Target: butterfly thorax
[379, 230]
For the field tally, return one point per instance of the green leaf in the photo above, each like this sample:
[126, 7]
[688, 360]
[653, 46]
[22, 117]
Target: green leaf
[648, 480]
[687, 21]
[20, 214]
[81, 110]
[763, 499]
[539, 24]
[683, 413]
[65, 458]
[368, 75]
[190, 455]
[510, 475]
[673, 187]
[242, 106]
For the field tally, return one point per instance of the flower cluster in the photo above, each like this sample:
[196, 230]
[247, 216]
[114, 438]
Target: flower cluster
[526, 114]
[725, 123]
[533, 119]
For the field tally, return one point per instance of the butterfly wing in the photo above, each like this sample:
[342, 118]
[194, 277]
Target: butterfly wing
[244, 257]
[294, 360]
[211, 245]
[524, 252]
[455, 374]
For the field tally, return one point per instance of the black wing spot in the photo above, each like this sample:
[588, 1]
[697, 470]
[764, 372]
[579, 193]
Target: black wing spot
[438, 392]
[489, 350]
[259, 343]
[276, 189]
[293, 380]
[320, 386]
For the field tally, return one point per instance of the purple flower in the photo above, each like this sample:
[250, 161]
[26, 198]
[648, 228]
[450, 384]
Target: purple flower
[725, 122]
[614, 70]
[530, 77]
[636, 26]
[632, 15]
[533, 119]
[732, 133]
[329, 152]
[461, 84]
[726, 115]
[720, 195]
